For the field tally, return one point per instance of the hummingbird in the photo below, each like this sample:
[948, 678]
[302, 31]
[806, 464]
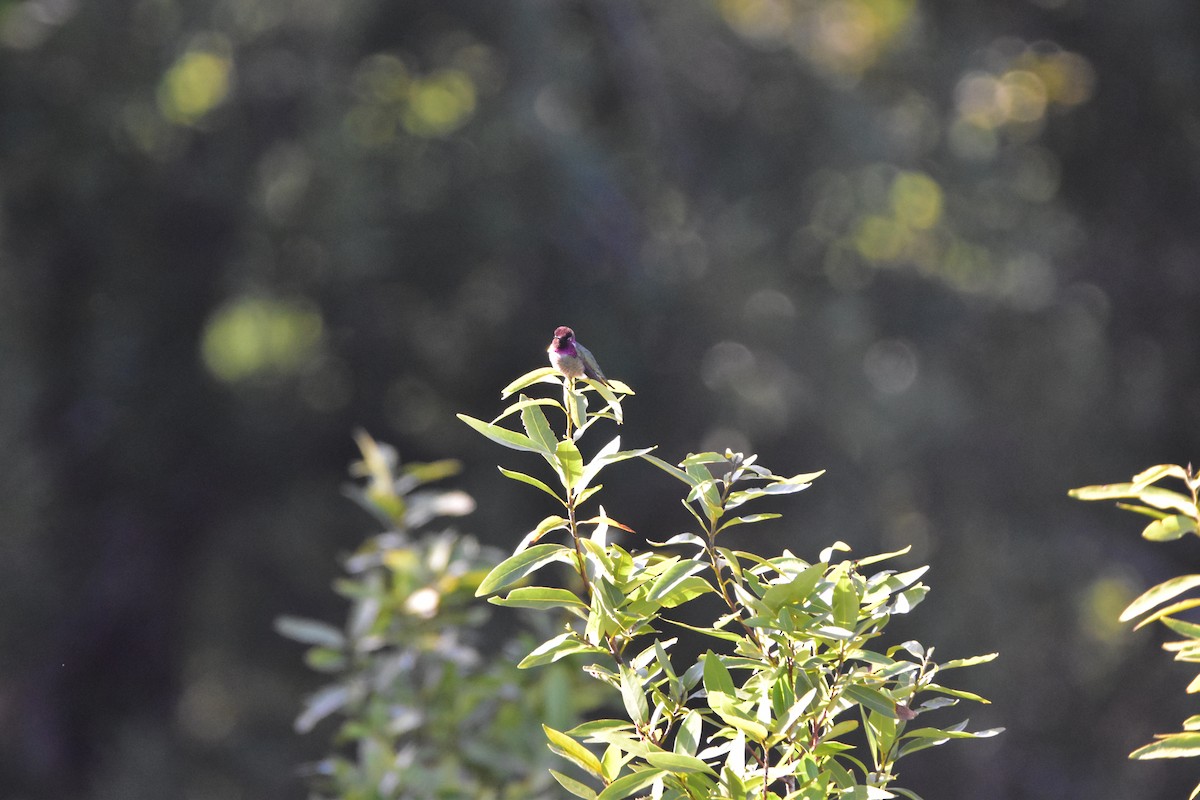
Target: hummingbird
[571, 358]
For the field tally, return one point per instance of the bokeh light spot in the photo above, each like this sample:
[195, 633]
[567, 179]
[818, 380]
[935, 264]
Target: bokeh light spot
[916, 200]
[440, 104]
[881, 238]
[197, 82]
[252, 336]
[891, 366]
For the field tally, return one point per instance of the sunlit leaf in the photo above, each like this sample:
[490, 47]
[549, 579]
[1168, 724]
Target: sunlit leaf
[687, 589]
[717, 679]
[1165, 611]
[1169, 528]
[845, 603]
[794, 590]
[671, 469]
[749, 518]
[1157, 473]
[1158, 595]
[573, 786]
[501, 435]
[563, 745]
[1151, 495]
[687, 740]
[875, 559]
[1171, 745]
[1184, 628]
[677, 762]
[540, 597]
[634, 696]
[538, 428]
[872, 699]
[626, 785]
[570, 463]
[609, 454]
[529, 479]
[542, 375]
[968, 662]
[516, 567]
[665, 583]
[561, 646]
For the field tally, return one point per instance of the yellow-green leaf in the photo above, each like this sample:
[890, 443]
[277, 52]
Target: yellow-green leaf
[515, 567]
[1159, 594]
[573, 751]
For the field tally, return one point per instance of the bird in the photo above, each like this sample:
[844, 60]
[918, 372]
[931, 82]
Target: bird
[571, 358]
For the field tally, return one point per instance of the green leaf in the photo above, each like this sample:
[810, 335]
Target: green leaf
[968, 662]
[716, 677]
[687, 589]
[540, 597]
[1157, 473]
[749, 518]
[541, 375]
[677, 762]
[609, 454]
[561, 646]
[516, 567]
[1169, 528]
[1145, 511]
[634, 697]
[716, 633]
[310, 631]
[1158, 595]
[550, 523]
[1150, 495]
[1171, 745]
[573, 751]
[1183, 628]
[665, 583]
[1174, 608]
[687, 740]
[501, 435]
[538, 428]
[600, 727]
[577, 404]
[626, 785]
[875, 559]
[793, 591]
[570, 463]
[610, 398]
[529, 479]
[573, 786]
[845, 603]
[671, 469]
[872, 699]
[959, 693]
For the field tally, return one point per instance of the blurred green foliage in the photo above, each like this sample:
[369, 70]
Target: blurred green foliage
[934, 247]
[428, 704]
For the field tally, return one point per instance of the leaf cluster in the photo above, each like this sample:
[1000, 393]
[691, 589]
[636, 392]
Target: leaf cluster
[1174, 514]
[794, 667]
[426, 707]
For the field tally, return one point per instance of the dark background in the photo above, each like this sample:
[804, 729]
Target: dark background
[949, 251]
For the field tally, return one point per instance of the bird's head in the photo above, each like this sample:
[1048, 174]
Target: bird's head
[563, 336]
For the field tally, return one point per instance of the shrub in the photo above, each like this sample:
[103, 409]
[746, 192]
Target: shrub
[794, 665]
